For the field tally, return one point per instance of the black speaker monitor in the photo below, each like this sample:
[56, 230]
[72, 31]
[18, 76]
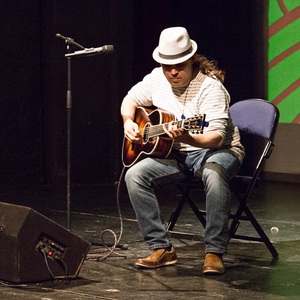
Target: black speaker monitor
[27, 236]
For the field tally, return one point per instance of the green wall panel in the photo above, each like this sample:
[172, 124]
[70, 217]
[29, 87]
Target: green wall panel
[284, 58]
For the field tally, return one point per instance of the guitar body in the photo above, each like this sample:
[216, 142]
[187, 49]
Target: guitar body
[157, 146]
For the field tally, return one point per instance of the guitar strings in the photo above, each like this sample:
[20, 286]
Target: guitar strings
[156, 129]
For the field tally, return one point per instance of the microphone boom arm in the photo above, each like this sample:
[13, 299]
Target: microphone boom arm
[69, 41]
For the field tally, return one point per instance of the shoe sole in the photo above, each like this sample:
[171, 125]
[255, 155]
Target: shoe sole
[213, 272]
[155, 267]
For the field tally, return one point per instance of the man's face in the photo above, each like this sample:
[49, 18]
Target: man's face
[179, 75]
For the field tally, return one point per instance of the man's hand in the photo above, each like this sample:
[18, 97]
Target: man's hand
[174, 132]
[131, 132]
[207, 140]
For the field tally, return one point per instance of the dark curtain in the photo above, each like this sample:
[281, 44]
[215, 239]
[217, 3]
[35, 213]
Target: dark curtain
[33, 80]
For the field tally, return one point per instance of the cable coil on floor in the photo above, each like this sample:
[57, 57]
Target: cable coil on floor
[98, 255]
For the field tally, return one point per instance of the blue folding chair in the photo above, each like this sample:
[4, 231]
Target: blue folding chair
[257, 122]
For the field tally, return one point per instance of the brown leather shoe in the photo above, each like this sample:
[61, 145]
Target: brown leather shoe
[158, 258]
[213, 264]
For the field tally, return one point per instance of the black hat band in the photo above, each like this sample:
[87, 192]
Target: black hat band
[164, 56]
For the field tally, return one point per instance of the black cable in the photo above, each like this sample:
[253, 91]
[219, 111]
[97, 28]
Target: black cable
[45, 256]
[65, 279]
[65, 267]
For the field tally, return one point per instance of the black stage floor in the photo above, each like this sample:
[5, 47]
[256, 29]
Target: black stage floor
[251, 271]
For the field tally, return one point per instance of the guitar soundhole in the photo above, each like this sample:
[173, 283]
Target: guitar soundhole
[148, 139]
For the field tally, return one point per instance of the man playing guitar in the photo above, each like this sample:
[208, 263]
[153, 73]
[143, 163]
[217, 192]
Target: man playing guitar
[186, 84]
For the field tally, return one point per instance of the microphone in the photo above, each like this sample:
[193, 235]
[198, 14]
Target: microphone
[107, 49]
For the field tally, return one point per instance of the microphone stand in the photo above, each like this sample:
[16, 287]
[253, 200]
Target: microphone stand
[86, 52]
[69, 42]
[69, 126]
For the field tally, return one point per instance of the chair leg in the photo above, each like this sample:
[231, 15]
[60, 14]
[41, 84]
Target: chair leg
[263, 237]
[249, 217]
[237, 216]
[175, 215]
[199, 214]
[261, 232]
[234, 225]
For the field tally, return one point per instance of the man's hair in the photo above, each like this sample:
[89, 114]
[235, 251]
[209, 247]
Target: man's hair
[208, 68]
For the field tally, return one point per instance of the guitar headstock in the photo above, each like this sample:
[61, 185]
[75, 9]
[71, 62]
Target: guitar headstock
[195, 124]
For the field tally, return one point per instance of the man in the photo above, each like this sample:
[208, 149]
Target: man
[185, 85]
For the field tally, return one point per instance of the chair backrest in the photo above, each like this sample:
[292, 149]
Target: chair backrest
[255, 117]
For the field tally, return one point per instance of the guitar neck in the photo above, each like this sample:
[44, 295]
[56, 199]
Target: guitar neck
[156, 130]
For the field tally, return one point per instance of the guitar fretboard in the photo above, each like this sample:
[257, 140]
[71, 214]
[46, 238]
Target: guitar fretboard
[156, 130]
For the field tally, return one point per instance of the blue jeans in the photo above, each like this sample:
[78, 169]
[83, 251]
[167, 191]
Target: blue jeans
[215, 168]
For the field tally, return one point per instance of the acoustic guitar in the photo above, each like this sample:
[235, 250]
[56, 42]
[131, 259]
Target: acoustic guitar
[155, 142]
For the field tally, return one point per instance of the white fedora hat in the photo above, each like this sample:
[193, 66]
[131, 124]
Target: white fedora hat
[175, 46]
